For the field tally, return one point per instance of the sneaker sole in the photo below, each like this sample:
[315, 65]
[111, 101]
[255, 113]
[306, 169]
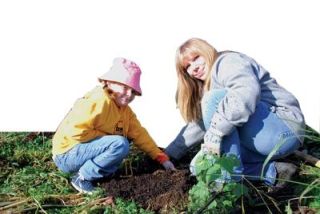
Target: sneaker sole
[81, 190]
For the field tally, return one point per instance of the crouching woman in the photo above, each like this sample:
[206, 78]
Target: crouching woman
[234, 105]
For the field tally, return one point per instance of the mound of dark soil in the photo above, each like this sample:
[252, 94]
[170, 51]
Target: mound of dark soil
[150, 186]
[156, 191]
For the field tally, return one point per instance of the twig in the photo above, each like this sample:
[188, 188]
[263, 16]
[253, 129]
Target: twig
[273, 202]
[258, 191]
[107, 201]
[45, 206]
[308, 158]
[242, 205]
[15, 204]
[39, 205]
[127, 167]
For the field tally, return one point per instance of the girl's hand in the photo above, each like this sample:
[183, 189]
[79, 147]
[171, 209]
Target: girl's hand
[168, 165]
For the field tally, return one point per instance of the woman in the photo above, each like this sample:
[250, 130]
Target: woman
[237, 108]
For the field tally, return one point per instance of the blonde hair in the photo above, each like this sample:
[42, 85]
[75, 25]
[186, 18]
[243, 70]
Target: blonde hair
[189, 89]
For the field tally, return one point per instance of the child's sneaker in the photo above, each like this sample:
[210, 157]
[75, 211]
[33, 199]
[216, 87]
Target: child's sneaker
[82, 185]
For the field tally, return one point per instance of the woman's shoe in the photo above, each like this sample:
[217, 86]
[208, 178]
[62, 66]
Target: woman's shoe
[285, 171]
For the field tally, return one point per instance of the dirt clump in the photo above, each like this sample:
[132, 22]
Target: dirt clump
[154, 191]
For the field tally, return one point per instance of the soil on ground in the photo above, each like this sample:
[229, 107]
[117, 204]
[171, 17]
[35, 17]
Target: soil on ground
[157, 191]
[152, 187]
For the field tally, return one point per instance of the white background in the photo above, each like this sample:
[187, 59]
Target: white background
[51, 53]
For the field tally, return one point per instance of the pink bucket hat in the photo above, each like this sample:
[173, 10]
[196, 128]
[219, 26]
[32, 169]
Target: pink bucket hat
[124, 71]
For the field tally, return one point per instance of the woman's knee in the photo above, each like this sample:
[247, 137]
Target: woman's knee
[213, 97]
[209, 104]
[287, 143]
[281, 145]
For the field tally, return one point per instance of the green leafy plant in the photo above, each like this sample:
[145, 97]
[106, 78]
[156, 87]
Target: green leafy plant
[211, 194]
[125, 207]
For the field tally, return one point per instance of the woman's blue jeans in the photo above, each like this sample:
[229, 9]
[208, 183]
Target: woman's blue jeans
[252, 142]
[96, 158]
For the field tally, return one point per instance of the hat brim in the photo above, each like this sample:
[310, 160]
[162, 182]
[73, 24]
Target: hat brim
[135, 91]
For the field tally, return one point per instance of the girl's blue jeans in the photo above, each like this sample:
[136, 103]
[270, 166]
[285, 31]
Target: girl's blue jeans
[252, 142]
[94, 159]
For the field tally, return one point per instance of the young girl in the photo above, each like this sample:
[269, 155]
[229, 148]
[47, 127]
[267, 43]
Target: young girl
[94, 137]
[237, 108]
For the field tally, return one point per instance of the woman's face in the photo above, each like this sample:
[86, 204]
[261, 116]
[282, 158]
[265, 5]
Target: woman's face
[195, 66]
[123, 94]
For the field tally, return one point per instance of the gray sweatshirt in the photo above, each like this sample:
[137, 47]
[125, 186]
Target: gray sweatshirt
[247, 83]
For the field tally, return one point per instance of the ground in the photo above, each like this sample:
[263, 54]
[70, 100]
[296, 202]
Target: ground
[150, 186]
[157, 191]
[30, 181]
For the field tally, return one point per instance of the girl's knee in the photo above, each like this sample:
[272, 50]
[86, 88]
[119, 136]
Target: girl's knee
[62, 166]
[121, 144]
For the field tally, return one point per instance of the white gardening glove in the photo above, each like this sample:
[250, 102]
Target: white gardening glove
[168, 165]
[212, 141]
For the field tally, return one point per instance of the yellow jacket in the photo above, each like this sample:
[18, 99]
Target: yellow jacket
[96, 114]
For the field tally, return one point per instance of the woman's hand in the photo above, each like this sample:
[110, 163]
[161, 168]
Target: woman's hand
[211, 143]
[211, 148]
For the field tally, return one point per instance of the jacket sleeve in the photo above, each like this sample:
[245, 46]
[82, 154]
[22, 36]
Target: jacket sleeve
[83, 119]
[141, 138]
[236, 73]
[189, 136]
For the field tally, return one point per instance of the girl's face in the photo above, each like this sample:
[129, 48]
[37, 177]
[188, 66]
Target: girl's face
[195, 65]
[123, 94]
